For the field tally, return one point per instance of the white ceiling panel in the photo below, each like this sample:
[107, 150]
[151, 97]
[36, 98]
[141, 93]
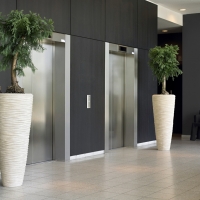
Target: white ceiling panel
[166, 25]
[191, 6]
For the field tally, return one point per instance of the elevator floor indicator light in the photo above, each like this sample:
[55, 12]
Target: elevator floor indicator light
[122, 48]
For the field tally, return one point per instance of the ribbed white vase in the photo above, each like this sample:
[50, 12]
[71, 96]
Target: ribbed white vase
[15, 121]
[163, 109]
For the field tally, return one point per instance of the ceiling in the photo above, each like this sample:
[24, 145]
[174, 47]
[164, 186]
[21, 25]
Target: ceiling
[167, 25]
[191, 6]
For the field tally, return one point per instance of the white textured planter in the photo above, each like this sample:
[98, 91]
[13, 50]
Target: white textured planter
[163, 109]
[15, 121]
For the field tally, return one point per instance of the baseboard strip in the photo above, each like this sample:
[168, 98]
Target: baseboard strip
[185, 137]
[86, 155]
[147, 143]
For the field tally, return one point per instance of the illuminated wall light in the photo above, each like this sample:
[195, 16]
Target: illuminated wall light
[182, 9]
[164, 31]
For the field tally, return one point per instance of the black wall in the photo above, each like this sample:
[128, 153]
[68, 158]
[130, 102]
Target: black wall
[87, 78]
[5, 7]
[147, 25]
[121, 22]
[176, 85]
[147, 86]
[88, 19]
[191, 70]
[91, 23]
[58, 10]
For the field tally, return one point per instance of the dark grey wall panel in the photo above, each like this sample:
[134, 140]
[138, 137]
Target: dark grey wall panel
[80, 87]
[7, 5]
[152, 25]
[142, 97]
[146, 88]
[58, 10]
[191, 70]
[142, 24]
[147, 24]
[88, 19]
[87, 78]
[98, 98]
[61, 15]
[152, 89]
[121, 22]
[5, 79]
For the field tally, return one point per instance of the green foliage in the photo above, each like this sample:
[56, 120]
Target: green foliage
[19, 34]
[163, 62]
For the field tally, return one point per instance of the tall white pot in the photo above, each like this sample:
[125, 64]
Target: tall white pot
[15, 121]
[163, 109]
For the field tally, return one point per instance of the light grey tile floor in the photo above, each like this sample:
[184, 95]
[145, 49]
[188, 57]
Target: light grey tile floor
[122, 174]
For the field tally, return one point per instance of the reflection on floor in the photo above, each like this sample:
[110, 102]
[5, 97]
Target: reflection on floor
[122, 174]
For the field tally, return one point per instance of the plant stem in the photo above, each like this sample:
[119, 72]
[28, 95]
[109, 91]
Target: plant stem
[164, 86]
[13, 72]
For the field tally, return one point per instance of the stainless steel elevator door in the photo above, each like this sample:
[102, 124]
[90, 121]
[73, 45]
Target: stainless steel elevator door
[40, 85]
[122, 97]
[116, 72]
[130, 99]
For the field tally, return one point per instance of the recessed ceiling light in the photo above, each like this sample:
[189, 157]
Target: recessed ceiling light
[182, 9]
[164, 31]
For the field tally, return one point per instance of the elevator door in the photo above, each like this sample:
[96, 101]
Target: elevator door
[116, 100]
[122, 97]
[40, 85]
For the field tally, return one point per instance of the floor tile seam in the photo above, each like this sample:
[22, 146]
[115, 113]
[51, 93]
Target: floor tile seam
[186, 190]
[115, 177]
[132, 190]
[35, 193]
[97, 192]
[182, 181]
[115, 185]
[163, 194]
[181, 195]
[5, 195]
[196, 185]
[181, 176]
[124, 192]
[141, 196]
[34, 177]
[156, 173]
[166, 187]
[160, 189]
[88, 178]
[56, 196]
[37, 176]
[108, 180]
[81, 196]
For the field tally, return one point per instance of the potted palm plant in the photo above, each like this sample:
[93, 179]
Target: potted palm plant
[19, 34]
[164, 65]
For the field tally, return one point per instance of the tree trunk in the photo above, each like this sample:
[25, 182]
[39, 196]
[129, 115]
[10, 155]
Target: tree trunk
[164, 86]
[13, 72]
[14, 88]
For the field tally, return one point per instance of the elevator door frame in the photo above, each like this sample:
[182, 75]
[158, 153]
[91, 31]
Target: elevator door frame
[128, 50]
